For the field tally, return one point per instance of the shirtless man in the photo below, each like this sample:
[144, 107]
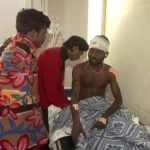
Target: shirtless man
[90, 79]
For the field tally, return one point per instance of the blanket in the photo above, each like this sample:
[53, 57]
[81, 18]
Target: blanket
[121, 133]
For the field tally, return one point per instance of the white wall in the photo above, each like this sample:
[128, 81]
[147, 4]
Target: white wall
[72, 15]
[128, 28]
[8, 12]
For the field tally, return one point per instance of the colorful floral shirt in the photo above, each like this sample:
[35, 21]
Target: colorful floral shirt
[21, 124]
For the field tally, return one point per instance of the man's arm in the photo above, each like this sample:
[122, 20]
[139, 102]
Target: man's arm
[113, 79]
[77, 127]
[103, 120]
[76, 73]
[75, 93]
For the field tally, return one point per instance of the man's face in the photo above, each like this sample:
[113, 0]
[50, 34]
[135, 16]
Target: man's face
[96, 56]
[75, 53]
[40, 37]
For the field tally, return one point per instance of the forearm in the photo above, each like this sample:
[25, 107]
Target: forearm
[112, 109]
[74, 111]
[74, 99]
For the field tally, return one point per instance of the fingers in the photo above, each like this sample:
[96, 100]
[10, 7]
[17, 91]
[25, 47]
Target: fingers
[75, 140]
[75, 136]
[98, 125]
[95, 125]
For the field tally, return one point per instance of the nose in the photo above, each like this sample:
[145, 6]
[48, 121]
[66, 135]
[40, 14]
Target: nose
[93, 53]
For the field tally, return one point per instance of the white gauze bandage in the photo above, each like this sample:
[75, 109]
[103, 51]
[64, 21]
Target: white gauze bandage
[100, 43]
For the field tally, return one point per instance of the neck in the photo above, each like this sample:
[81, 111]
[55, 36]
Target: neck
[97, 68]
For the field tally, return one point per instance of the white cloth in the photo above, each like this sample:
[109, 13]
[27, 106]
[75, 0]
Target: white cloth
[99, 42]
[52, 113]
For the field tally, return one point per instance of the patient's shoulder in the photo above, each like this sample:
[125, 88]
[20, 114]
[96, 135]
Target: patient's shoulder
[77, 67]
[78, 70]
[114, 71]
[81, 65]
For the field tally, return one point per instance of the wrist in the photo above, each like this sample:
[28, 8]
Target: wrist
[75, 106]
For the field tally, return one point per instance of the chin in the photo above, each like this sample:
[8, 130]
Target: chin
[73, 59]
[93, 63]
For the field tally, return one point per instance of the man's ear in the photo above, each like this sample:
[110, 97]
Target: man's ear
[106, 54]
[32, 34]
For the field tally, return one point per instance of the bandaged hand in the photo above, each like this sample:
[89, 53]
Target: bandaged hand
[100, 124]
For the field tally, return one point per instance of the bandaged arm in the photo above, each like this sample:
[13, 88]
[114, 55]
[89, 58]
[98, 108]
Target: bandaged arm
[75, 93]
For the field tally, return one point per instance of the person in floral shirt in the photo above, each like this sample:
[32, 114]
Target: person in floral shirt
[21, 123]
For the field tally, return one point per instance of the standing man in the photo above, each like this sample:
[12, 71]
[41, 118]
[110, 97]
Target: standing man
[51, 67]
[21, 123]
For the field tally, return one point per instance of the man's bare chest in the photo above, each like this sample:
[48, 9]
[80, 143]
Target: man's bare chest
[94, 79]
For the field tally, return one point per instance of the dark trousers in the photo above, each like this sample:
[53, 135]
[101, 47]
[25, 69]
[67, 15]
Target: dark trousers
[66, 143]
[45, 119]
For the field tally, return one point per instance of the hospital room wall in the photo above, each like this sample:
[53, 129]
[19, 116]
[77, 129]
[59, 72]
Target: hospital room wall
[8, 11]
[128, 28]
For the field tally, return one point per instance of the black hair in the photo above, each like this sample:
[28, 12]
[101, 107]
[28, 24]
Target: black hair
[31, 19]
[76, 41]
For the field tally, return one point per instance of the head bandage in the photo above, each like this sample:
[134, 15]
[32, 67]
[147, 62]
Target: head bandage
[100, 43]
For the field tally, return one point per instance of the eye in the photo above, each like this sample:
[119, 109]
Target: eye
[98, 52]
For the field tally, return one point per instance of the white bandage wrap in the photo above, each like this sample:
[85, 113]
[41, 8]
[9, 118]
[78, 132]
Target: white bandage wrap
[76, 106]
[100, 43]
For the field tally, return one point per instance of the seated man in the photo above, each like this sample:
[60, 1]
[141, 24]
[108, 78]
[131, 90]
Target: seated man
[98, 123]
[90, 79]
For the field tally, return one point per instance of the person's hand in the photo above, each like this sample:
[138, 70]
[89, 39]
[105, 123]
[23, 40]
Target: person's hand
[100, 124]
[76, 130]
